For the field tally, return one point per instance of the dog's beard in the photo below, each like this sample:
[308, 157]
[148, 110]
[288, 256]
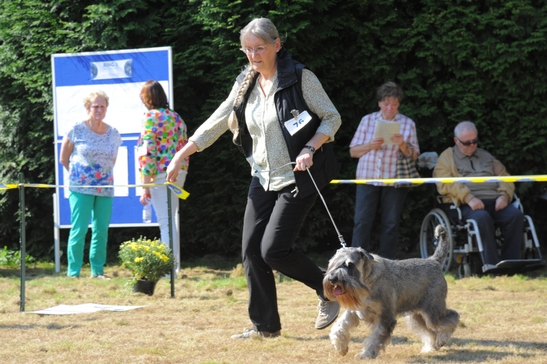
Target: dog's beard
[349, 297]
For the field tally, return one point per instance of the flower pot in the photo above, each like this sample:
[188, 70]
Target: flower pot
[145, 286]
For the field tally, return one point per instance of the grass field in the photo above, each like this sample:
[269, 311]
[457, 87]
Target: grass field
[503, 320]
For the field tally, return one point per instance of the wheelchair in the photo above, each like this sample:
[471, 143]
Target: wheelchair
[466, 245]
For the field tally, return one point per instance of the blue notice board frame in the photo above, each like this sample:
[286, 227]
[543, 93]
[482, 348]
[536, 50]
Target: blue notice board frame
[121, 75]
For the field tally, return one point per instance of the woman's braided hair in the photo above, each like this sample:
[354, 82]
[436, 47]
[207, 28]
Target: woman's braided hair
[264, 29]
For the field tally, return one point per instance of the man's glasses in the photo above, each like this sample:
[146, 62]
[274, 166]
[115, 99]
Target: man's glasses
[257, 50]
[469, 143]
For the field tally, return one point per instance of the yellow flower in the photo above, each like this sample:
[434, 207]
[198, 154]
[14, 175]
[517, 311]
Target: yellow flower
[146, 258]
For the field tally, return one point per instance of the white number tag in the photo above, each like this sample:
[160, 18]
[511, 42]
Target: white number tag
[295, 124]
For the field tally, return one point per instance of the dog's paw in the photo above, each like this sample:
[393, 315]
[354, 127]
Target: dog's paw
[339, 337]
[343, 351]
[442, 339]
[428, 349]
[339, 344]
[369, 354]
[341, 347]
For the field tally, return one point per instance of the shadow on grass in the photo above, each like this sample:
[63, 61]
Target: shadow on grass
[470, 350]
[50, 326]
[460, 350]
[30, 273]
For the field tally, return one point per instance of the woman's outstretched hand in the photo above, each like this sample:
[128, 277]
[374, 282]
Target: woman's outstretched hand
[176, 163]
[173, 170]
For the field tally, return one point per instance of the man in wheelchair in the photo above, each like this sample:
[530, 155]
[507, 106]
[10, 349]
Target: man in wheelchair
[489, 204]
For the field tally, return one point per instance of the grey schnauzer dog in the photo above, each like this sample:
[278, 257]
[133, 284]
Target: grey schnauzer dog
[376, 290]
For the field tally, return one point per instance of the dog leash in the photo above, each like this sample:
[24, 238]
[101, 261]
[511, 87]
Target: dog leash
[295, 192]
[340, 237]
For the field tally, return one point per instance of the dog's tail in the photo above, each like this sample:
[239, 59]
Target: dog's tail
[442, 248]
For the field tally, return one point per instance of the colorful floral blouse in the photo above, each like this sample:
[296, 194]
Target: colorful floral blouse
[92, 159]
[163, 134]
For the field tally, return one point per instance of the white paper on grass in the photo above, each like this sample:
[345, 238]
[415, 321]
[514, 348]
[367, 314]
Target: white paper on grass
[83, 308]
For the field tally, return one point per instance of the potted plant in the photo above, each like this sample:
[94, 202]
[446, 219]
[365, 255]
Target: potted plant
[148, 260]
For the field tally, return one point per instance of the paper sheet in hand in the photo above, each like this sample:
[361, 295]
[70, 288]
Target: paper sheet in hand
[386, 131]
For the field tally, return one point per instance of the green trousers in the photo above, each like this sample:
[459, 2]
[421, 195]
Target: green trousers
[84, 208]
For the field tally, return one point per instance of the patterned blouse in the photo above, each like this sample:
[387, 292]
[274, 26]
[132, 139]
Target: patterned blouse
[163, 134]
[270, 152]
[381, 163]
[92, 160]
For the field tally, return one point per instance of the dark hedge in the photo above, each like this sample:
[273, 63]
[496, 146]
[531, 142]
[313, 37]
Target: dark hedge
[456, 60]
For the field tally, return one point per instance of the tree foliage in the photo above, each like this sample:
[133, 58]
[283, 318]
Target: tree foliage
[456, 60]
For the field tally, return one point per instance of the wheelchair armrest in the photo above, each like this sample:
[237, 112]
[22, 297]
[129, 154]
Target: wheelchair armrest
[516, 203]
[457, 208]
[452, 205]
[440, 199]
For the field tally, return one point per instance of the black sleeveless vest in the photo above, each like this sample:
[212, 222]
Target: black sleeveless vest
[288, 97]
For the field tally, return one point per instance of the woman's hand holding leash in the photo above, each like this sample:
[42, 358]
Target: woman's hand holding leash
[304, 160]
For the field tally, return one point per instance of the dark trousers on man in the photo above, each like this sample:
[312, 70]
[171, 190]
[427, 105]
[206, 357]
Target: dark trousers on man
[272, 222]
[510, 220]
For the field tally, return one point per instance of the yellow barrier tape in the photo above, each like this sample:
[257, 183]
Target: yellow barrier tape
[7, 186]
[40, 185]
[181, 193]
[419, 181]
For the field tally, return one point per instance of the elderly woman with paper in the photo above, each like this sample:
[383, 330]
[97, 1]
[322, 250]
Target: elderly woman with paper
[381, 139]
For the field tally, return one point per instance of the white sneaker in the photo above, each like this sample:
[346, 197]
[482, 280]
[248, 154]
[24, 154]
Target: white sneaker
[249, 333]
[328, 312]
[100, 276]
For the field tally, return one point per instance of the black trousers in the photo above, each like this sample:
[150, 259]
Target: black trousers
[273, 220]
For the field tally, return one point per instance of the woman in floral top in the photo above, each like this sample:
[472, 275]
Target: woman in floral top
[163, 134]
[88, 153]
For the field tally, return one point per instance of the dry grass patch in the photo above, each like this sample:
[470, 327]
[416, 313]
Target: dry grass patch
[503, 320]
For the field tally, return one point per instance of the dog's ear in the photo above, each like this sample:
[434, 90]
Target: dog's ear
[367, 255]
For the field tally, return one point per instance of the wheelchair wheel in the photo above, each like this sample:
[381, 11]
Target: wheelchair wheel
[428, 243]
